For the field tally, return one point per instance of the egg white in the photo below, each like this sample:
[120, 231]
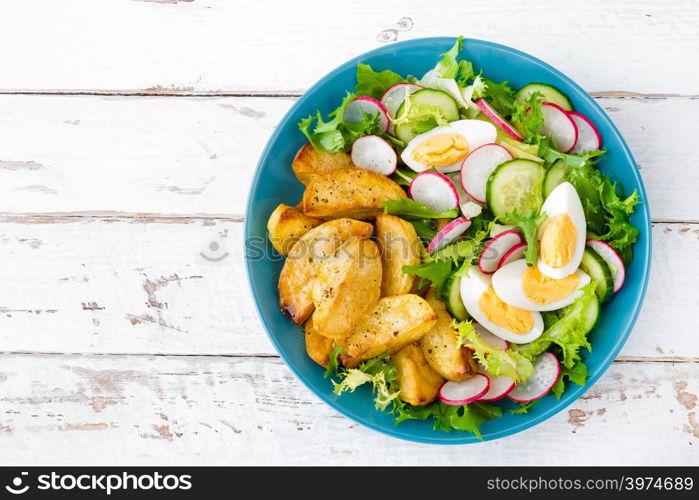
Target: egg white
[476, 132]
[564, 199]
[508, 284]
[472, 287]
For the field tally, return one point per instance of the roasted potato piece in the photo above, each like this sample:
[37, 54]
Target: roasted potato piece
[352, 192]
[419, 383]
[393, 323]
[300, 268]
[310, 164]
[440, 349]
[318, 347]
[346, 287]
[399, 247]
[286, 225]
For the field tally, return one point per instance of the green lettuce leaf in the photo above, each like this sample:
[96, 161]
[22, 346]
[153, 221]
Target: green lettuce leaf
[500, 96]
[435, 271]
[375, 83]
[569, 333]
[548, 151]
[495, 362]
[380, 372]
[420, 117]
[466, 418]
[528, 113]
[577, 374]
[333, 363]
[529, 223]
[524, 407]
[448, 66]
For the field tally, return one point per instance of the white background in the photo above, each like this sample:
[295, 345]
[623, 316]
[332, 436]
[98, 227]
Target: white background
[129, 131]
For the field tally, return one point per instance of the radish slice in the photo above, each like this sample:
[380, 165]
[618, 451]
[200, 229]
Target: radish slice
[547, 369]
[613, 260]
[477, 167]
[374, 153]
[394, 97]
[559, 126]
[514, 253]
[464, 391]
[449, 233]
[498, 389]
[496, 248]
[492, 340]
[434, 190]
[355, 111]
[498, 120]
[589, 138]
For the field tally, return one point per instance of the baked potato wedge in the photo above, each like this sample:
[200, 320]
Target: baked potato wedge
[310, 164]
[391, 324]
[399, 246]
[301, 265]
[318, 347]
[419, 383]
[286, 225]
[346, 287]
[440, 349]
[352, 192]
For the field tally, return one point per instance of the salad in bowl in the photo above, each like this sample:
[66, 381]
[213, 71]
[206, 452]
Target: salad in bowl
[455, 243]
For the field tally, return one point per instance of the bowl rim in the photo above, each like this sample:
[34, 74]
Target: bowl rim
[573, 393]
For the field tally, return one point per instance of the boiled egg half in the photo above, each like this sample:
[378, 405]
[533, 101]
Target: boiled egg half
[562, 234]
[445, 147]
[507, 322]
[526, 287]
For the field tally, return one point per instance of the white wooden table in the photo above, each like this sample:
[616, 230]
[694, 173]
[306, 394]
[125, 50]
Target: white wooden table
[129, 132]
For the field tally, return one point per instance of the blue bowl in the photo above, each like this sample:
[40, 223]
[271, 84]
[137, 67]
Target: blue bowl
[275, 183]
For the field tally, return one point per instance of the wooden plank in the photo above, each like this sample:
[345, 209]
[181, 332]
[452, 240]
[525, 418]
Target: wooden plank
[197, 155]
[218, 45]
[186, 411]
[111, 285]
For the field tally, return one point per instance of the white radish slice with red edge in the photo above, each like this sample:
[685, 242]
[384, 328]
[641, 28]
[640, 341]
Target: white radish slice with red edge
[547, 369]
[513, 254]
[559, 126]
[394, 97]
[498, 389]
[477, 167]
[589, 138]
[434, 190]
[449, 233]
[489, 338]
[465, 391]
[374, 153]
[490, 112]
[613, 260]
[355, 111]
[496, 248]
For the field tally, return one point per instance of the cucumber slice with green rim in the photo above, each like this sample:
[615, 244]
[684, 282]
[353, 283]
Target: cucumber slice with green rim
[549, 93]
[591, 314]
[429, 97]
[455, 305]
[594, 265]
[515, 186]
[555, 176]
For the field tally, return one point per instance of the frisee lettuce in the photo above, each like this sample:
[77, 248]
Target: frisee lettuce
[375, 83]
[529, 116]
[569, 333]
[524, 407]
[466, 418]
[499, 95]
[421, 117]
[495, 362]
[448, 66]
[380, 372]
[529, 223]
[577, 374]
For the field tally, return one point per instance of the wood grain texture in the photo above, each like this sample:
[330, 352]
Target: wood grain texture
[168, 410]
[197, 155]
[214, 45]
[122, 286]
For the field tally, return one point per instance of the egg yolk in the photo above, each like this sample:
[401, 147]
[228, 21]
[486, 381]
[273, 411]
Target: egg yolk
[441, 150]
[557, 244]
[544, 290]
[513, 318]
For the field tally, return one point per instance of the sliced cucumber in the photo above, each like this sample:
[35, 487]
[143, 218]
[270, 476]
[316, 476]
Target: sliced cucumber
[514, 186]
[429, 97]
[549, 93]
[455, 305]
[555, 176]
[591, 314]
[594, 265]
